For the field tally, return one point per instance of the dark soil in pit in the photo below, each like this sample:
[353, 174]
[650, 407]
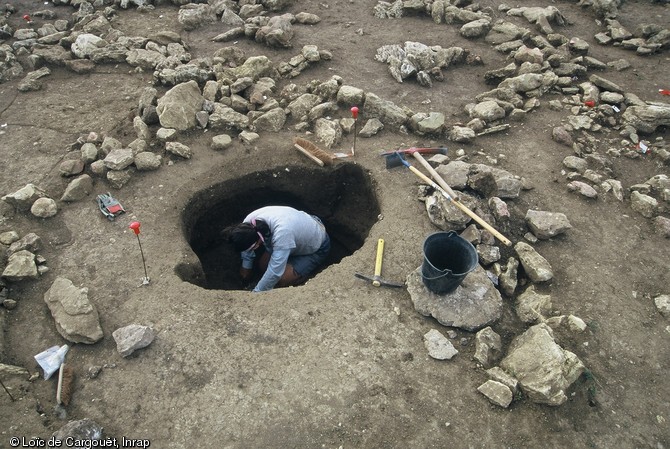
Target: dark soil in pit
[344, 198]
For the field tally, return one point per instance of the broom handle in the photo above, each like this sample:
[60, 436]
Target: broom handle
[309, 155]
[461, 206]
[436, 176]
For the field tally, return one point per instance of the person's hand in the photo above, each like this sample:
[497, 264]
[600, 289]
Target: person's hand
[246, 274]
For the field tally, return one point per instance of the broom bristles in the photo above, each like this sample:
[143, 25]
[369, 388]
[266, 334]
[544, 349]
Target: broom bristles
[65, 385]
[317, 152]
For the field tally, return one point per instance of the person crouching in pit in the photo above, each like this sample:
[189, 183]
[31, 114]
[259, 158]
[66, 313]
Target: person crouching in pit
[295, 242]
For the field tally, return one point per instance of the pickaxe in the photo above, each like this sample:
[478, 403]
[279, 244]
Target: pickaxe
[376, 279]
[393, 161]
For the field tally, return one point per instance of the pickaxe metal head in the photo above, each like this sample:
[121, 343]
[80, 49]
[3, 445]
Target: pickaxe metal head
[393, 161]
[376, 279]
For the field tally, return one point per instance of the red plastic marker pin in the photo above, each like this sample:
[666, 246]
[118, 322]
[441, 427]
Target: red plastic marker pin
[27, 18]
[664, 92]
[590, 103]
[135, 226]
[354, 114]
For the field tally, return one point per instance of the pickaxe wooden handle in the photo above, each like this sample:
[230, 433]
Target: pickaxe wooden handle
[377, 280]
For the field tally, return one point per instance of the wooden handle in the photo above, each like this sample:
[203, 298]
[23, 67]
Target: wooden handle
[436, 176]
[462, 207]
[309, 155]
[380, 254]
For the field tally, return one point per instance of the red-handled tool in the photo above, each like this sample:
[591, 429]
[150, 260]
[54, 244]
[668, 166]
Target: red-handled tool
[135, 226]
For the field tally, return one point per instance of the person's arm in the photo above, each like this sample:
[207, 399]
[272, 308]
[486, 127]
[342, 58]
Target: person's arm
[247, 265]
[275, 270]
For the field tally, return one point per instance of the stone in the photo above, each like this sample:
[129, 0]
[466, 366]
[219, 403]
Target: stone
[78, 189]
[21, 266]
[89, 152]
[119, 159]
[575, 163]
[272, 120]
[662, 303]
[131, 338]
[508, 279]
[497, 393]
[543, 368]
[643, 204]
[328, 131]
[179, 149]
[371, 128]
[439, 347]
[166, 134]
[646, 118]
[473, 305]
[301, 106]
[545, 225]
[85, 44]
[278, 32]
[428, 123]
[71, 167]
[44, 208]
[499, 375]
[531, 306]
[9, 237]
[535, 266]
[75, 316]
[118, 178]
[562, 136]
[80, 430]
[461, 134]
[306, 18]
[455, 174]
[487, 346]
[109, 144]
[489, 111]
[488, 254]
[148, 161]
[177, 108]
[24, 198]
[221, 142]
[227, 118]
[350, 96]
[387, 112]
[583, 189]
[662, 226]
[575, 324]
[30, 242]
[248, 137]
[141, 128]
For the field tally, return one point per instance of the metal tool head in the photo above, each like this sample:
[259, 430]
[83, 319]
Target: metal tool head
[393, 161]
[377, 281]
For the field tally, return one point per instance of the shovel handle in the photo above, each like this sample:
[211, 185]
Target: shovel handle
[436, 176]
[378, 263]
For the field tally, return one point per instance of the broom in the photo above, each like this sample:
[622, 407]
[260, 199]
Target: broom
[65, 387]
[313, 152]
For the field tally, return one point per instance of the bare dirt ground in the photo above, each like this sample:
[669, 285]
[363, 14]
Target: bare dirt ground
[336, 362]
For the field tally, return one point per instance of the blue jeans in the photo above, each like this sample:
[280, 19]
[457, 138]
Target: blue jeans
[306, 264]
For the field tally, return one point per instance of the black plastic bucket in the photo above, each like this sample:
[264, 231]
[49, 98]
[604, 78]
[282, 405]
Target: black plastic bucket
[447, 259]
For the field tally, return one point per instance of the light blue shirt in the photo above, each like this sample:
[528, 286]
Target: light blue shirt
[292, 232]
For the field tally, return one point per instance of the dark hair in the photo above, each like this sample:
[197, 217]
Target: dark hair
[244, 235]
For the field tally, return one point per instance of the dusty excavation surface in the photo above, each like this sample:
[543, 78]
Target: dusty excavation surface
[187, 114]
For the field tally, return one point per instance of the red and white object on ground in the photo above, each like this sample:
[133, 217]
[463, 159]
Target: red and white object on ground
[135, 226]
[354, 114]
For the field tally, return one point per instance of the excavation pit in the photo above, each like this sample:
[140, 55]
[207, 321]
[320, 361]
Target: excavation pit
[343, 197]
